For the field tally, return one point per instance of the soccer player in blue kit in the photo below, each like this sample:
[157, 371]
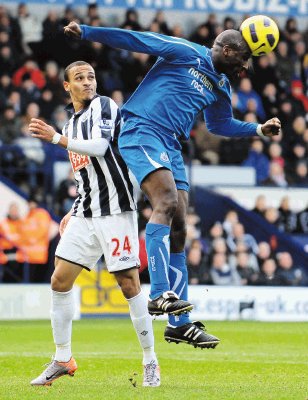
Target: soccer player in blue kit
[186, 79]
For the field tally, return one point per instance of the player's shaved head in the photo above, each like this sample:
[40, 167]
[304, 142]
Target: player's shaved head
[230, 53]
[73, 65]
[233, 39]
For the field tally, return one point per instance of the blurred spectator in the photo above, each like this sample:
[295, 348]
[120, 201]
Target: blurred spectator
[229, 23]
[53, 81]
[287, 218]
[274, 153]
[284, 67]
[8, 60]
[66, 194]
[221, 273]
[270, 100]
[258, 160]
[161, 21]
[69, 15]
[11, 256]
[118, 98]
[31, 30]
[59, 118]
[291, 274]
[230, 219]
[272, 216]
[302, 221]
[35, 234]
[300, 177]
[192, 226]
[245, 94]
[264, 72]
[198, 272]
[243, 267]
[268, 275]
[276, 176]
[291, 34]
[6, 88]
[219, 245]
[206, 144]
[260, 205]
[10, 126]
[202, 36]
[177, 31]
[131, 20]
[264, 252]
[238, 235]
[32, 149]
[297, 91]
[47, 104]
[14, 100]
[29, 70]
[92, 14]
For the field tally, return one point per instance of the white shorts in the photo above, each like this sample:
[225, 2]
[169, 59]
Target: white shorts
[85, 240]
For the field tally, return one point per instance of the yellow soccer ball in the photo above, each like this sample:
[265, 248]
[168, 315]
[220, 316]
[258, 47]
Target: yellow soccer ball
[261, 34]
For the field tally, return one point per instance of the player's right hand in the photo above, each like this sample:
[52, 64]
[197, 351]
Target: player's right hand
[64, 222]
[73, 30]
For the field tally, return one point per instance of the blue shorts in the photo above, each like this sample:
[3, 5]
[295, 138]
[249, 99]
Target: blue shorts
[146, 148]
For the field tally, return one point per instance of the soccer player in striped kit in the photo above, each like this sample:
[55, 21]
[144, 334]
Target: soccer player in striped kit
[103, 219]
[186, 79]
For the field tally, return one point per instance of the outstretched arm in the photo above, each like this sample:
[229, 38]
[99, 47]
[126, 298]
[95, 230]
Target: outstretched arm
[219, 120]
[141, 42]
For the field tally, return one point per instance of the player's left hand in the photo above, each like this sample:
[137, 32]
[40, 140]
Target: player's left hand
[272, 127]
[73, 30]
[41, 130]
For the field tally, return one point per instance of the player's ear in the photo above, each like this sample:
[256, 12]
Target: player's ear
[66, 86]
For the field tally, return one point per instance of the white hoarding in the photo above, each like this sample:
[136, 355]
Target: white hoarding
[248, 302]
[29, 301]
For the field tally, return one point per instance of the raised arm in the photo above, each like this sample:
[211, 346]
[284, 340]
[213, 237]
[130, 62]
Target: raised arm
[219, 120]
[141, 42]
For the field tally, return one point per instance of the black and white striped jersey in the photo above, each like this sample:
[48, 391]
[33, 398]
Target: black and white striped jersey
[103, 183]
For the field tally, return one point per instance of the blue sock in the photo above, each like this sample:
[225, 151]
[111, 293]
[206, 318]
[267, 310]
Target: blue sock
[158, 250]
[178, 277]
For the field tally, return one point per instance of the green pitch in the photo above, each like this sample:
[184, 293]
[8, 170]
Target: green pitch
[258, 361]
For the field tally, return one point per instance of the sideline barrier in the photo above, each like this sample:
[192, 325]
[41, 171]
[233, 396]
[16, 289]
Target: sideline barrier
[28, 302]
[248, 302]
[21, 302]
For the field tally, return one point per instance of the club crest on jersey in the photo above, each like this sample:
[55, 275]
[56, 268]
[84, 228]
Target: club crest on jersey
[106, 124]
[221, 82]
[164, 157]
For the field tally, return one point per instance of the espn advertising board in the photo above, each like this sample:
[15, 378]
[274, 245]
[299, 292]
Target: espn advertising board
[248, 302]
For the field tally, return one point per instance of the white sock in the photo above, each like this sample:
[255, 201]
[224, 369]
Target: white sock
[62, 313]
[142, 322]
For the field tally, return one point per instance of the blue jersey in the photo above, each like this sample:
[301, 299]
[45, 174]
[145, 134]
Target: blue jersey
[182, 83]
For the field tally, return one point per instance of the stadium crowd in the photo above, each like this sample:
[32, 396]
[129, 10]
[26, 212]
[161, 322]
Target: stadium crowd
[32, 56]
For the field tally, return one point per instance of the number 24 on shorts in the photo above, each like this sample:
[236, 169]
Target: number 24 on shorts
[118, 245]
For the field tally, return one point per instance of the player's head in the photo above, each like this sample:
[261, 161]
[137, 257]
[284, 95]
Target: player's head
[230, 53]
[80, 82]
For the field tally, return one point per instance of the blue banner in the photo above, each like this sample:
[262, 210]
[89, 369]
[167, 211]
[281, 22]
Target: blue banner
[286, 8]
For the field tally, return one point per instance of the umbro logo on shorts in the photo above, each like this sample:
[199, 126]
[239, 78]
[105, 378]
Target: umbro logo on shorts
[124, 258]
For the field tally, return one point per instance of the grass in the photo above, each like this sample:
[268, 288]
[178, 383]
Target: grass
[259, 361]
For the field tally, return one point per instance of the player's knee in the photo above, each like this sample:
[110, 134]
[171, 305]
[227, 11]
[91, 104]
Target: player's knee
[59, 284]
[167, 204]
[130, 286]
